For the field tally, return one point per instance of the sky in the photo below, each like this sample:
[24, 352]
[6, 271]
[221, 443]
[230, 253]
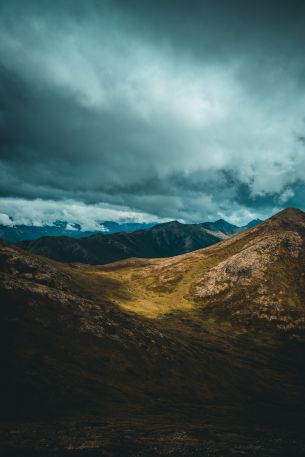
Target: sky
[150, 111]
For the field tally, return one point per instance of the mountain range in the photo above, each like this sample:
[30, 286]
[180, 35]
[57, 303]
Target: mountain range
[202, 354]
[162, 240]
[15, 233]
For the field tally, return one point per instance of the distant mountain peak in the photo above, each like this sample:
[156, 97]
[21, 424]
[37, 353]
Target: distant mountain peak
[223, 221]
[173, 223]
[222, 226]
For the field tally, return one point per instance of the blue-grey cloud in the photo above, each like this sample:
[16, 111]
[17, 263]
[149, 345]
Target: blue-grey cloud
[183, 110]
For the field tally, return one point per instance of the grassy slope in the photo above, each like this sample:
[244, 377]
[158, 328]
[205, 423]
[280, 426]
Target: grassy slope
[158, 286]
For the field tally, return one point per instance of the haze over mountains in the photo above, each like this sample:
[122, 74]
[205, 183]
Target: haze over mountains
[14, 233]
[197, 355]
[162, 240]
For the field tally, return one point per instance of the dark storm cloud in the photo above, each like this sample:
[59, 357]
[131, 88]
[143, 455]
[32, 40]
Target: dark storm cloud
[229, 26]
[176, 109]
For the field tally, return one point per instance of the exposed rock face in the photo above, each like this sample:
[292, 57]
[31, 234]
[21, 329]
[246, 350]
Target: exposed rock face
[250, 265]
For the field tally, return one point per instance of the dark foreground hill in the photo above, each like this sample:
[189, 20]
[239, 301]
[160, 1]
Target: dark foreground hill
[163, 240]
[197, 355]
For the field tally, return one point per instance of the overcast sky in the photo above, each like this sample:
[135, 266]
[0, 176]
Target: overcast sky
[146, 110]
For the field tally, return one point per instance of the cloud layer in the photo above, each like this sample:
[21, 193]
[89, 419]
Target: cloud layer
[187, 113]
[38, 212]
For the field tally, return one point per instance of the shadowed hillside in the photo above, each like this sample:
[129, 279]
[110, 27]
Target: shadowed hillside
[162, 240]
[201, 354]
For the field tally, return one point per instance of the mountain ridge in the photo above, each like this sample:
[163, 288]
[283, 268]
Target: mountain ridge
[17, 233]
[162, 240]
